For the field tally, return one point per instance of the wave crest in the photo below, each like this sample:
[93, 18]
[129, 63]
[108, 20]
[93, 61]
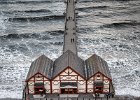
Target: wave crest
[37, 18]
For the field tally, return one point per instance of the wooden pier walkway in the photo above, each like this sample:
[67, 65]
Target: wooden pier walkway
[70, 28]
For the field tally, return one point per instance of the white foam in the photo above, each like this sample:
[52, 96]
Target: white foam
[128, 91]
[10, 91]
[2, 23]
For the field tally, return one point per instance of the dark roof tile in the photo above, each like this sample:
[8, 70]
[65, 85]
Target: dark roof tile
[42, 65]
[69, 59]
[96, 64]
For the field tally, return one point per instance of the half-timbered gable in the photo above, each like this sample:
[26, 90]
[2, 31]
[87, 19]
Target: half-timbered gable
[68, 74]
[98, 75]
[38, 78]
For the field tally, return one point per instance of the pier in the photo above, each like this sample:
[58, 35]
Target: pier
[70, 38]
[69, 77]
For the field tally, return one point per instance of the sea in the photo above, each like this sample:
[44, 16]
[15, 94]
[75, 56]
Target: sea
[108, 28]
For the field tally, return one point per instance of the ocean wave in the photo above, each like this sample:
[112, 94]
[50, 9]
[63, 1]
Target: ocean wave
[121, 0]
[56, 43]
[85, 30]
[37, 11]
[40, 36]
[19, 36]
[25, 36]
[121, 24]
[28, 11]
[86, 1]
[37, 18]
[23, 2]
[56, 33]
[133, 37]
[93, 7]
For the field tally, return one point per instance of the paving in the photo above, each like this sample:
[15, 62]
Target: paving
[70, 38]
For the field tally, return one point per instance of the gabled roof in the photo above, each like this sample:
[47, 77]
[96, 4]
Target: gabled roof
[96, 64]
[41, 65]
[69, 59]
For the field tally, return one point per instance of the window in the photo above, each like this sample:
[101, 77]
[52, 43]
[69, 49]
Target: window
[39, 88]
[99, 88]
[98, 75]
[69, 91]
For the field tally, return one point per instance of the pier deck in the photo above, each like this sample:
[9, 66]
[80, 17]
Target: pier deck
[70, 28]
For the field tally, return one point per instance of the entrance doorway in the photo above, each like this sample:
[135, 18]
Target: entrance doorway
[98, 86]
[39, 88]
[69, 91]
[98, 89]
[68, 88]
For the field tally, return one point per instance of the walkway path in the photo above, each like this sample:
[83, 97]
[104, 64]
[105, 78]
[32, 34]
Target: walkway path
[70, 28]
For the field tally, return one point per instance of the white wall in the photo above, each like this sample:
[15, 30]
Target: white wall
[90, 83]
[38, 80]
[68, 78]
